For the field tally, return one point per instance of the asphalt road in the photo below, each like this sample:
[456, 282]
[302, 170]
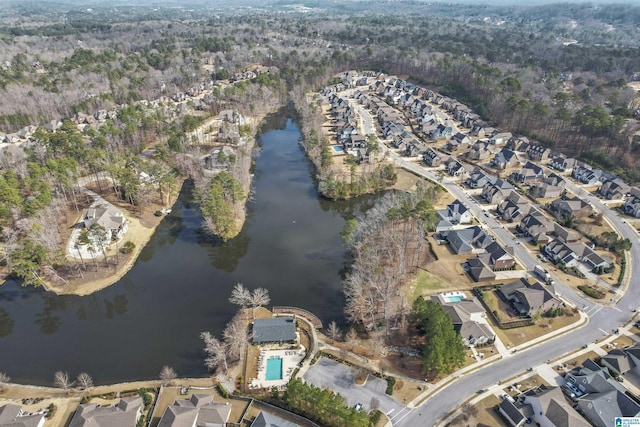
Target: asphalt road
[602, 319]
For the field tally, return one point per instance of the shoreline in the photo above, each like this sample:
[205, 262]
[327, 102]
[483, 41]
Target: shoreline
[80, 287]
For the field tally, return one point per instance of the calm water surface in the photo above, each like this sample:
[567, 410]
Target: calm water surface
[180, 285]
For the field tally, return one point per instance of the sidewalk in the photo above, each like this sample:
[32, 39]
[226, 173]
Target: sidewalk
[432, 388]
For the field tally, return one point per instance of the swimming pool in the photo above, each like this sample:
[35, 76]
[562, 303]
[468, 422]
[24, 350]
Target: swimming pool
[274, 368]
[338, 149]
[453, 296]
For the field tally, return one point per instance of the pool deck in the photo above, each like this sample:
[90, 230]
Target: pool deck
[290, 360]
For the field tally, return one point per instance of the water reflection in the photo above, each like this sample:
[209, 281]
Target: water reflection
[48, 321]
[6, 323]
[179, 286]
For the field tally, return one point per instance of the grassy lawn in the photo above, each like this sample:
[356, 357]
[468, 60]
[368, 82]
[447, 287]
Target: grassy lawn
[578, 360]
[517, 336]
[486, 415]
[406, 391]
[621, 341]
[425, 283]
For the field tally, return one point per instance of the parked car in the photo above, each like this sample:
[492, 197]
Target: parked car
[358, 406]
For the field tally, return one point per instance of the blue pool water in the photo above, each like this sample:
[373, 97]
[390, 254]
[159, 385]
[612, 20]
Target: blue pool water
[338, 149]
[454, 298]
[274, 368]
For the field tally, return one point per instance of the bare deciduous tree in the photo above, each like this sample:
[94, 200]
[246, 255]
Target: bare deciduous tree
[351, 337]
[4, 379]
[61, 380]
[468, 411]
[259, 297]
[84, 381]
[216, 352]
[240, 295]
[236, 336]
[167, 374]
[333, 331]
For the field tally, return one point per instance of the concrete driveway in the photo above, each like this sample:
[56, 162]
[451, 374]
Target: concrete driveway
[340, 378]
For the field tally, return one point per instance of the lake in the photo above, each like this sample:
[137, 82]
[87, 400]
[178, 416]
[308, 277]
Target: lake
[181, 283]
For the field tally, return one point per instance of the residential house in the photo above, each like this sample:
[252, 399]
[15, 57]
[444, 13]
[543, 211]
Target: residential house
[453, 146]
[519, 144]
[346, 133]
[109, 217]
[428, 126]
[621, 361]
[354, 142]
[468, 318]
[496, 192]
[13, 416]
[536, 225]
[232, 116]
[550, 187]
[538, 153]
[265, 419]
[614, 189]
[478, 178]
[479, 270]
[218, 158]
[479, 151]
[583, 173]
[274, 330]
[571, 253]
[123, 414]
[600, 398]
[431, 157]
[481, 130]
[566, 206]
[528, 299]
[529, 173]
[441, 132]
[500, 138]
[514, 207]
[467, 240]
[566, 235]
[456, 168]
[547, 407]
[461, 138]
[199, 410]
[456, 213]
[632, 203]
[414, 149]
[497, 257]
[562, 163]
[511, 413]
[504, 159]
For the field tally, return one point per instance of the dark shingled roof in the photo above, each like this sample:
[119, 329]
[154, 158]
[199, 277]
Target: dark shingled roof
[277, 329]
[265, 419]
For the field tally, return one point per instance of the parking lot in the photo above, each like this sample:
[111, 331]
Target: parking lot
[341, 379]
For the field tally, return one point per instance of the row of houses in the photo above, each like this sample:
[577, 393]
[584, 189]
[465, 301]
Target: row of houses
[417, 103]
[589, 396]
[198, 410]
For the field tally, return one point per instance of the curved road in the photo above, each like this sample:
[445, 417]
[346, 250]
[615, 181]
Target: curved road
[602, 320]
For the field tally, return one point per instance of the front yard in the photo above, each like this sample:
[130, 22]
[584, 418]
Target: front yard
[517, 336]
